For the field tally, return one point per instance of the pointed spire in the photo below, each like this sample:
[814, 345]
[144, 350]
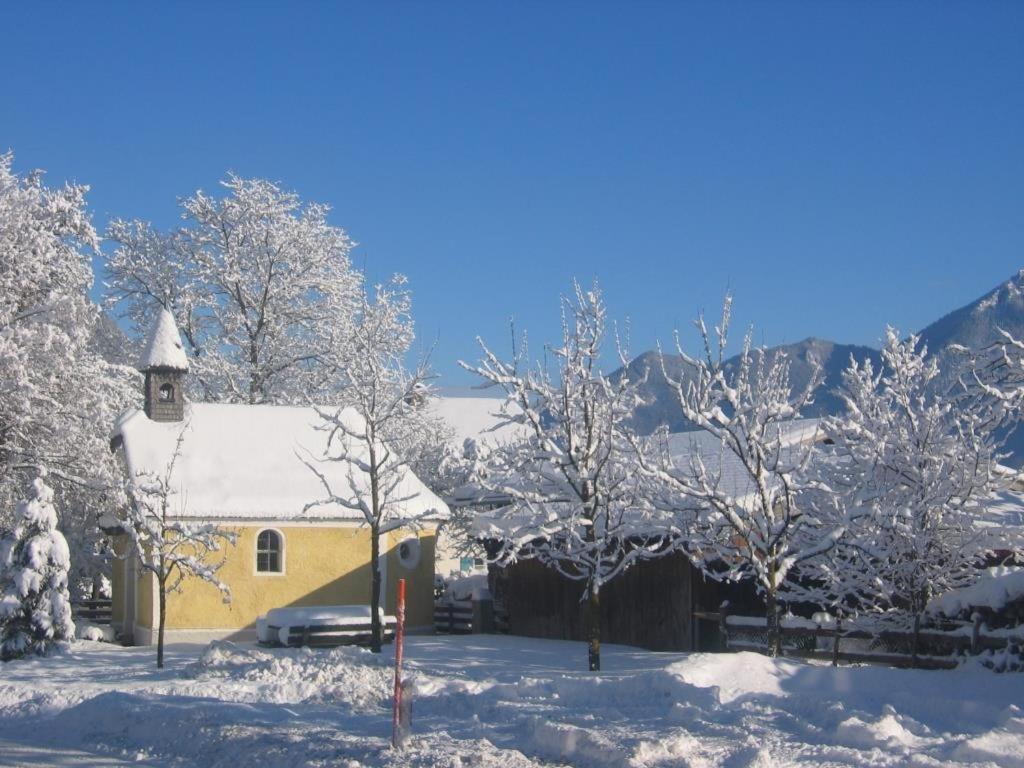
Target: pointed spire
[163, 349]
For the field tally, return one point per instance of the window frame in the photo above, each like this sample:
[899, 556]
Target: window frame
[258, 552]
[165, 387]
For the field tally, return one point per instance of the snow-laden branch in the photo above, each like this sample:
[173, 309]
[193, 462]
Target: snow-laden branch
[913, 461]
[740, 491]
[165, 543]
[260, 284]
[380, 432]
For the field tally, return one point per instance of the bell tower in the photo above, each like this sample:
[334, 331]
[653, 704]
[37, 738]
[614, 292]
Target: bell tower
[164, 364]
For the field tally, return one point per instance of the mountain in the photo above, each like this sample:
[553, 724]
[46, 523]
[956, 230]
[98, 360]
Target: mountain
[974, 325]
[660, 407]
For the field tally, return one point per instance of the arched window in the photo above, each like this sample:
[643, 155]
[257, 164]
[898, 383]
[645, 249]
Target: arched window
[268, 552]
[166, 393]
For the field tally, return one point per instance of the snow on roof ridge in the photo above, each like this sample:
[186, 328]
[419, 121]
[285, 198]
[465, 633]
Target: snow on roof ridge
[249, 462]
[163, 346]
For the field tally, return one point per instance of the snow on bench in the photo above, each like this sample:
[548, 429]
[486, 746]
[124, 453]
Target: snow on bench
[324, 625]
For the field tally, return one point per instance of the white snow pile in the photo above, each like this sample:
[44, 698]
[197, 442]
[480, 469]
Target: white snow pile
[467, 586]
[490, 701]
[351, 676]
[994, 589]
[96, 633]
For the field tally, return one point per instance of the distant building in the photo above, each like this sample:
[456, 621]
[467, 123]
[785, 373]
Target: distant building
[476, 429]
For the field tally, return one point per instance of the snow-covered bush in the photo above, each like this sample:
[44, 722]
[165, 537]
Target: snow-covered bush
[35, 607]
[1009, 659]
[95, 633]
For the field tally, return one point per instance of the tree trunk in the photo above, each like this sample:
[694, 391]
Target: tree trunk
[594, 627]
[375, 628]
[160, 627]
[772, 620]
[375, 469]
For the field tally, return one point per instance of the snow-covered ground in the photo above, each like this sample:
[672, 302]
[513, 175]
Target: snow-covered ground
[496, 701]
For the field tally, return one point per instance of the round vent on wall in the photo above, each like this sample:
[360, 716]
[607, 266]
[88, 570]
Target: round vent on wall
[409, 552]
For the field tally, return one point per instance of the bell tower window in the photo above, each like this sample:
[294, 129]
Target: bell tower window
[166, 393]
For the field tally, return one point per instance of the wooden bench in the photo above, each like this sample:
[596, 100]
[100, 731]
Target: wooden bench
[331, 635]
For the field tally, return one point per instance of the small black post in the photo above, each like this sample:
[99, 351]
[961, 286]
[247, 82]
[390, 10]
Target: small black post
[723, 624]
[835, 639]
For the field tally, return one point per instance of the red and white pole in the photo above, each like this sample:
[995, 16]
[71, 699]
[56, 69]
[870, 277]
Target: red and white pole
[397, 727]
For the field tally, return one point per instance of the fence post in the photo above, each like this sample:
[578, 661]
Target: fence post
[483, 616]
[975, 633]
[835, 639]
[723, 625]
[916, 640]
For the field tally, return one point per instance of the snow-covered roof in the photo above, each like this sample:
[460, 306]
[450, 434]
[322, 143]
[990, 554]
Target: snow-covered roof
[1004, 513]
[477, 418]
[1000, 522]
[246, 462]
[163, 346]
[735, 479]
[995, 588]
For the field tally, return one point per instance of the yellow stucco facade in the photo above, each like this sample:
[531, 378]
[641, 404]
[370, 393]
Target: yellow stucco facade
[323, 563]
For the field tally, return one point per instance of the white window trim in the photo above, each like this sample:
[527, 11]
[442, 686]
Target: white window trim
[256, 550]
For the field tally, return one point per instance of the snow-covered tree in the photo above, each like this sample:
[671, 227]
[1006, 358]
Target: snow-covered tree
[571, 484]
[35, 607]
[55, 385]
[912, 463]
[260, 285]
[381, 432]
[993, 379]
[165, 543]
[747, 493]
[463, 472]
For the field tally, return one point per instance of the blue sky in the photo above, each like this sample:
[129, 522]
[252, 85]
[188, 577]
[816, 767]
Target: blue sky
[836, 165]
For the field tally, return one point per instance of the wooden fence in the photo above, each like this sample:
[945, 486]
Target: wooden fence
[453, 617]
[939, 650]
[464, 617]
[98, 612]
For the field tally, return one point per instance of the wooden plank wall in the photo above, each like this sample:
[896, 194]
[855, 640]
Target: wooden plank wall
[649, 606]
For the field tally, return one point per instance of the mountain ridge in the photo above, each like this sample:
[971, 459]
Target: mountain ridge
[975, 325]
